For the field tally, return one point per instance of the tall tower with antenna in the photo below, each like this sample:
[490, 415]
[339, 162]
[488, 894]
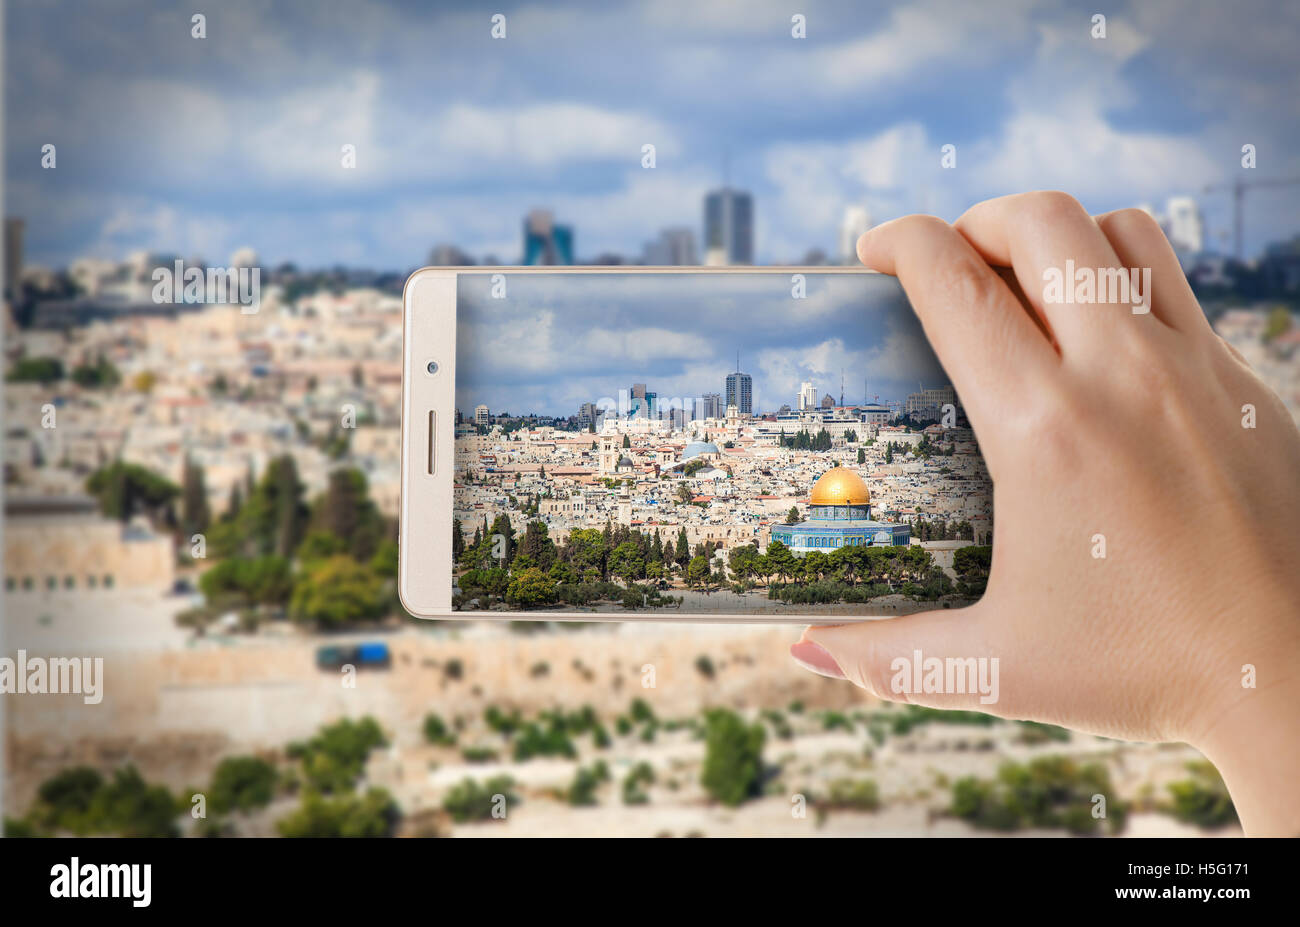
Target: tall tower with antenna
[740, 390]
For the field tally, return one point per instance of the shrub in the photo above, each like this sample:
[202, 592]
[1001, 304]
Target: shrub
[242, 783]
[1049, 792]
[334, 759]
[733, 757]
[1203, 799]
[479, 755]
[374, 814]
[582, 791]
[472, 801]
[854, 795]
[642, 774]
[436, 731]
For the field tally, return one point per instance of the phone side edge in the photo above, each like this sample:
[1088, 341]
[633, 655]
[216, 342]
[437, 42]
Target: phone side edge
[425, 520]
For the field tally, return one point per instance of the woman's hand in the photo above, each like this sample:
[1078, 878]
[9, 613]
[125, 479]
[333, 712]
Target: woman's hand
[1146, 559]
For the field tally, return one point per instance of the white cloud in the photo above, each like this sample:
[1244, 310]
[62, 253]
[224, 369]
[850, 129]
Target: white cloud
[641, 345]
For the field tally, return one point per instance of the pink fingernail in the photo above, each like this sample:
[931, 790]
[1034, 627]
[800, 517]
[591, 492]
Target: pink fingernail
[813, 657]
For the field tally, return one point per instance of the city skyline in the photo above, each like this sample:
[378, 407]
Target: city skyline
[558, 341]
[704, 405]
[181, 151]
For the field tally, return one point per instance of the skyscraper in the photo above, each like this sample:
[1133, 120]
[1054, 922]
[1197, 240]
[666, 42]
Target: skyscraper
[740, 391]
[13, 257]
[546, 243]
[728, 227]
[807, 397]
[445, 255]
[856, 222]
[675, 247]
[641, 402]
[709, 406]
[1186, 228]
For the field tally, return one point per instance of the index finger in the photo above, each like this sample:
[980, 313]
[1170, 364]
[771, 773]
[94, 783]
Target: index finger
[983, 336]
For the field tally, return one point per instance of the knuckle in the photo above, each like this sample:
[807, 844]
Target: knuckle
[1052, 420]
[923, 225]
[1133, 223]
[1053, 205]
[1153, 377]
[971, 284]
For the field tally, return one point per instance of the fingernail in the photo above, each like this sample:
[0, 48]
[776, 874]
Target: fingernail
[814, 657]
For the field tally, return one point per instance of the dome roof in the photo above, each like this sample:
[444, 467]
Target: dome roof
[696, 448]
[840, 486]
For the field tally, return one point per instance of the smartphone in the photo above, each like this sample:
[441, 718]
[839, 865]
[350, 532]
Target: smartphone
[683, 444]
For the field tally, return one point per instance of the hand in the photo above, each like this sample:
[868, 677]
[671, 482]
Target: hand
[1102, 425]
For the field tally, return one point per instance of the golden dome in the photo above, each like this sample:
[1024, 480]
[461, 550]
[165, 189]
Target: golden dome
[840, 486]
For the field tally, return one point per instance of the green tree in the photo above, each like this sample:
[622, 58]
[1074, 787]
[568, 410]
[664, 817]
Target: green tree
[346, 511]
[1278, 324]
[815, 564]
[319, 545]
[792, 516]
[272, 518]
[437, 732]
[530, 588]
[1203, 799]
[733, 757]
[972, 565]
[501, 528]
[384, 562]
[780, 559]
[334, 759]
[537, 545]
[741, 560]
[474, 801]
[195, 512]
[283, 491]
[242, 581]
[697, 571]
[457, 540]
[99, 375]
[562, 572]
[43, 370]
[585, 549]
[125, 490]
[81, 801]
[129, 807]
[373, 814]
[64, 800]
[627, 562]
[1048, 792]
[242, 783]
[337, 592]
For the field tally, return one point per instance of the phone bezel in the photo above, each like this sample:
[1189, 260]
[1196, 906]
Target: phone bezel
[424, 527]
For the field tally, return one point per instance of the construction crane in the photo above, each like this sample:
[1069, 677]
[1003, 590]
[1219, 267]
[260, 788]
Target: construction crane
[1239, 188]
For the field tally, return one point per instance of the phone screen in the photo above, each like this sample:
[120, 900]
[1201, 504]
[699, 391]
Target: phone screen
[709, 444]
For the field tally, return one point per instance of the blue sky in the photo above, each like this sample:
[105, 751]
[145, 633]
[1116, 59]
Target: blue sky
[557, 341]
[175, 144]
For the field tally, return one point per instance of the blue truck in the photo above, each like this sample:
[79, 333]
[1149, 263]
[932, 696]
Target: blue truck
[369, 655]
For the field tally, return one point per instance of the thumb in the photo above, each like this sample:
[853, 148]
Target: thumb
[940, 659]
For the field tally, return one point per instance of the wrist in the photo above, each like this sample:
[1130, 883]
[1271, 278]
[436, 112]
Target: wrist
[1255, 745]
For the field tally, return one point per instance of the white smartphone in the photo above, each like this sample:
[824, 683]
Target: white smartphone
[703, 444]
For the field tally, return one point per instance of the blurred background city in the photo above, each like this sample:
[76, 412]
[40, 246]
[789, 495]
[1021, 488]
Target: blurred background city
[312, 156]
